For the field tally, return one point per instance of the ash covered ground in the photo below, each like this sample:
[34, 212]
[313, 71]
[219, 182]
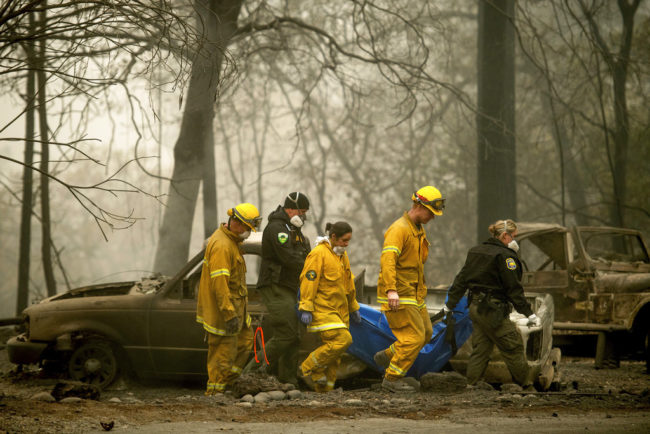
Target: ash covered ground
[590, 400]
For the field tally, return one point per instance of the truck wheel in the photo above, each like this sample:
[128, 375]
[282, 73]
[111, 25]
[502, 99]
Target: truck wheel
[94, 362]
[606, 354]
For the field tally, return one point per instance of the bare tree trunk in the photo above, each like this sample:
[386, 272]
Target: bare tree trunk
[209, 184]
[496, 117]
[574, 184]
[618, 63]
[46, 246]
[570, 179]
[219, 21]
[619, 67]
[26, 208]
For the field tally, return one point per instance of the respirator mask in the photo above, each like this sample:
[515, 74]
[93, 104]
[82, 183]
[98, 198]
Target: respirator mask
[513, 245]
[298, 220]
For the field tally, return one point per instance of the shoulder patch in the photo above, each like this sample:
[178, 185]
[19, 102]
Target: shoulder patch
[511, 264]
[311, 275]
[283, 237]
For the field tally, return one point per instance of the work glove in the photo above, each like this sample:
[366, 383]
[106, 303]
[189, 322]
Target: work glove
[356, 317]
[393, 299]
[232, 325]
[534, 321]
[450, 335]
[440, 315]
[305, 317]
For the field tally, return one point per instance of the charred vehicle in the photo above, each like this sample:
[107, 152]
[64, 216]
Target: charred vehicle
[147, 327]
[599, 278]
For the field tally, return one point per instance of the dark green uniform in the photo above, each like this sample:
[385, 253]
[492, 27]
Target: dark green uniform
[284, 249]
[492, 273]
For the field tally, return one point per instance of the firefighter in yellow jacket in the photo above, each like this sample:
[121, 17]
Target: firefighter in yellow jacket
[223, 298]
[327, 301]
[401, 289]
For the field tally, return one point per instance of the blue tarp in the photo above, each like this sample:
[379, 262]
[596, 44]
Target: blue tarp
[374, 334]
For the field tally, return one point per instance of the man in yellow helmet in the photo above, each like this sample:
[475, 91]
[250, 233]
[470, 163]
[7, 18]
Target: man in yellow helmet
[223, 298]
[401, 288]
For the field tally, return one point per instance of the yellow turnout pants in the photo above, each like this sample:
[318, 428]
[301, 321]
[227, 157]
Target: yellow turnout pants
[227, 355]
[322, 363]
[412, 329]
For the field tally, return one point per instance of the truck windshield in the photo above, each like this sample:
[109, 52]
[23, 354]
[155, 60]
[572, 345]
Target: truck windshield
[614, 246]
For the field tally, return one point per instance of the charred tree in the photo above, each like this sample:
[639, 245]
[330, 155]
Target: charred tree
[618, 64]
[218, 22]
[46, 242]
[496, 114]
[26, 207]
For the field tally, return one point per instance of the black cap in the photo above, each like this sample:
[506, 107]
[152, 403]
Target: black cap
[296, 200]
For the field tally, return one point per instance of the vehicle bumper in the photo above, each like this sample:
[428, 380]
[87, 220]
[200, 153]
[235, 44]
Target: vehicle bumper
[591, 327]
[21, 351]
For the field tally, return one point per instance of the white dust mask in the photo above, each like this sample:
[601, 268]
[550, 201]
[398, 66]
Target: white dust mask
[513, 245]
[339, 250]
[297, 220]
[245, 235]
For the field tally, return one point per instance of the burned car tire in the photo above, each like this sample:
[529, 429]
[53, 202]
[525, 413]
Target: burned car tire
[94, 362]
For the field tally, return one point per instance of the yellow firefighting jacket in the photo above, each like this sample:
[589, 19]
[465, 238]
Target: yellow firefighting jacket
[327, 289]
[402, 264]
[222, 289]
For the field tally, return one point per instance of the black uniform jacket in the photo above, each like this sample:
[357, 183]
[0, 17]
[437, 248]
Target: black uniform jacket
[284, 249]
[492, 267]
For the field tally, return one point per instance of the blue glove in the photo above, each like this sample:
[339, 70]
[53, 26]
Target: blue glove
[305, 317]
[356, 317]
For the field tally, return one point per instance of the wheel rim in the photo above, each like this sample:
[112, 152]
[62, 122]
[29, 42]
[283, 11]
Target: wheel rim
[93, 363]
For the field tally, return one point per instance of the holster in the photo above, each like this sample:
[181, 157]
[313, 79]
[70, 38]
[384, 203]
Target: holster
[493, 309]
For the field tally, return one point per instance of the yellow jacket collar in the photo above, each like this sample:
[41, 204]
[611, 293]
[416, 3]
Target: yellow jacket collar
[326, 241]
[412, 225]
[233, 236]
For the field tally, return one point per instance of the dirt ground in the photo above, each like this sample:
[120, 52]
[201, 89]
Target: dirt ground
[609, 400]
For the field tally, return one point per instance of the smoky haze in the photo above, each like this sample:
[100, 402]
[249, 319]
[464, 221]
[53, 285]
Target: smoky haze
[354, 104]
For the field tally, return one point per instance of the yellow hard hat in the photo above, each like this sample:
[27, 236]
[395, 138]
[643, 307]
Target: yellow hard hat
[431, 198]
[248, 214]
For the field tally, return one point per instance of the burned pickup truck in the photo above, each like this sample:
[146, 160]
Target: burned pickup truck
[599, 278]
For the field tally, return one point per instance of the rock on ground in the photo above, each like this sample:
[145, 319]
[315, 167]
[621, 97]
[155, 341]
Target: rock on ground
[443, 382]
[66, 389]
[252, 384]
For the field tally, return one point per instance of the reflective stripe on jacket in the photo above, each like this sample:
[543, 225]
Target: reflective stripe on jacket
[327, 289]
[222, 289]
[402, 263]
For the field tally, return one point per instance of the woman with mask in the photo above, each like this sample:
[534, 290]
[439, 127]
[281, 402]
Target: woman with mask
[492, 274]
[326, 303]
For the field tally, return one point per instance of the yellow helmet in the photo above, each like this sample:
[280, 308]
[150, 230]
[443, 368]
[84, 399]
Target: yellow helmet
[431, 198]
[248, 214]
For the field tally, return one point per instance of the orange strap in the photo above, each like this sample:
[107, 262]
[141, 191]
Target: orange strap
[259, 329]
